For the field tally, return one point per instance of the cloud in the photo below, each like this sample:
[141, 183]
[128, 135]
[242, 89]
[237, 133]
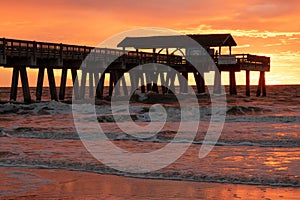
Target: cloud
[205, 29]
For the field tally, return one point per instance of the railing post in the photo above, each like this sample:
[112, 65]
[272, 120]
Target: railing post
[3, 59]
[34, 51]
[61, 51]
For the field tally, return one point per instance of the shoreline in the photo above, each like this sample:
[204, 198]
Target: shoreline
[29, 183]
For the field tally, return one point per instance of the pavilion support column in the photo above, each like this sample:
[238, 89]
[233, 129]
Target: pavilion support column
[83, 84]
[217, 83]
[52, 85]
[232, 87]
[247, 83]
[76, 92]
[63, 81]
[14, 84]
[39, 85]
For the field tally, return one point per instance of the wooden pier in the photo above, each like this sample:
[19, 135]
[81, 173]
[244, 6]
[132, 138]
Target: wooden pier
[21, 55]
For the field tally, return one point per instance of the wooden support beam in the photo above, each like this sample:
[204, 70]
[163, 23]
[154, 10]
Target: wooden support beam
[142, 79]
[259, 86]
[111, 83]
[83, 84]
[148, 81]
[14, 84]
[116, 83]
[202, 82]
[63, 82]
[232, 84]
[155, 80]
[171, 82]
[133, 82]
[217, 83]
[91, 84]
[25, 85]
[76, 92]
[163, 82]
[183, 84]
[96, 82]
[124, 85]
[199, 82]
[39, 85]
[52, 85]
[263, 84]
[100, 86]
[167, 82]
[247, 83]
[96, 78]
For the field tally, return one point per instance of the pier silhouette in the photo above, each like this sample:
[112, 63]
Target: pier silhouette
[21, 55]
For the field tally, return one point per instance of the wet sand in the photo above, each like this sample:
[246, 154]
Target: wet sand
[24, 183]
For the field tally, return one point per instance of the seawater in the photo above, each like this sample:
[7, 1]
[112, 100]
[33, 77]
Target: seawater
[259, 144]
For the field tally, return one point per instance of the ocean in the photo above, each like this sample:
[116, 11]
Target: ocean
[259, 143]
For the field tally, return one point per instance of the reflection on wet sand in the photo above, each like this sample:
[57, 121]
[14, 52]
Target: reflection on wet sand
[23, 183]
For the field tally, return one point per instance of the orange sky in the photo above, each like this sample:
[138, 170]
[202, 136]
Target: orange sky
[266, 27]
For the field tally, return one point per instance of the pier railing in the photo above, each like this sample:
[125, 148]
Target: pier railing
[246, 61]
[43, 50]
